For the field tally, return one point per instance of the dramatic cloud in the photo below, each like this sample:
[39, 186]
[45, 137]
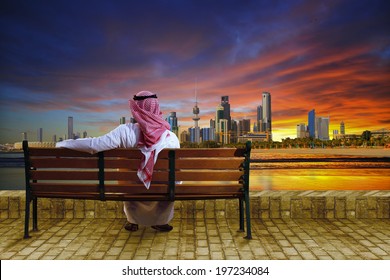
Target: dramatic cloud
[71, 58]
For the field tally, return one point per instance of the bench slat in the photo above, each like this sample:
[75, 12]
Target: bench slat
[132, 163]
[207, 175]
[214, 163]
[64, 162]
[132, 175]
[64, 175]
[58, 152]
[133, 153]
[209, 153]
[55, 162]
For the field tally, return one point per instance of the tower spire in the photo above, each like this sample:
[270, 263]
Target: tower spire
[195, 118]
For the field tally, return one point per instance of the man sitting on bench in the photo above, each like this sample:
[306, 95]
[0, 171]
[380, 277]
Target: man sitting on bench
[150, 134]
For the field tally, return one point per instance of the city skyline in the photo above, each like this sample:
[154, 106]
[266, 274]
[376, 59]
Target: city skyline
[59, 61]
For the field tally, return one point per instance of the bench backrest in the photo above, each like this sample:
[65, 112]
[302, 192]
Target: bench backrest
[178, 173]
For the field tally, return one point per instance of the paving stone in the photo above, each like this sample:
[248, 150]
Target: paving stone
[198, 238]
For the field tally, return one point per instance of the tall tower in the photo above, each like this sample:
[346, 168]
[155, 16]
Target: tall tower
[267, 112]
[196, 119]
[122, 120]
[312, 123]
[70, 127]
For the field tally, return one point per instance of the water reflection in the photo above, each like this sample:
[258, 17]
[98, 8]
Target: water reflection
[320, 179]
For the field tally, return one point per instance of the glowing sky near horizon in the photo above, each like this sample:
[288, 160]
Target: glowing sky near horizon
[75, 58]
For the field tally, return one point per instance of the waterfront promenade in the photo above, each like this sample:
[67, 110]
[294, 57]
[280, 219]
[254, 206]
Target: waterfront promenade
[286, 226]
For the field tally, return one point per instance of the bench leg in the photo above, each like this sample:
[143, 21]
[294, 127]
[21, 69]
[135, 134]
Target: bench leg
[248, 217]
[241, 204]
[35, 214]
[27, 218]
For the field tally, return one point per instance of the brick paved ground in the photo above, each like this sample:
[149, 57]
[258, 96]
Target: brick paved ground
[199, 238]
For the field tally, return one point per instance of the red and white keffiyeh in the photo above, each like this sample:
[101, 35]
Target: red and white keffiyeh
[146, 111]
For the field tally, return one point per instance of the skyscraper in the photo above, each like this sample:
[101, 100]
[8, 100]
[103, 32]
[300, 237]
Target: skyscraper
[301, 130]
[122, 120]
[312, 123]
[322, 128]
[40, 135]
[226, 110]
[266, 114]
[172, 120]
[70, 127]
[259, 119]
[218, 118]
[224, 131]
[244, 126]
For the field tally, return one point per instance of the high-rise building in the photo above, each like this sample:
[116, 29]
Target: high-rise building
[172, 120]
[184, 136]
[218, 118]
[266, 112]
[244, 127]
[207, 134]
[40, 135]
[342, 128]
[224, 131]
[259, 119]
[122, 120]
[24, 136]
[322, 128]
[301, 130]
[312, 123]
[226, 110]
[70, 128]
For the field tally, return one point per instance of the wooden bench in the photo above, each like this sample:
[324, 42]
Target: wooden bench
[179, 174]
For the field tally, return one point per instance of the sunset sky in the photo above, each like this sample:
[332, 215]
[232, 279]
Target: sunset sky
[87, 58]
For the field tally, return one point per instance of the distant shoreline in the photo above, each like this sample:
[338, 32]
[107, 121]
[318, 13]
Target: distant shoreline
[367, 152]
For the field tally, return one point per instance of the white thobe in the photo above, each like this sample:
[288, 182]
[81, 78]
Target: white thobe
[146, 213]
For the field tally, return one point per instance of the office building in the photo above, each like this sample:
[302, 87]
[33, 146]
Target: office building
[322, 128]
[266, 112]
[226, 110]
[172, 120]
[312, 123]
[342, 128]
[184, 136]
[301, 130]
[40, 135]
[244, 127]
[259, 119]
[218, 117]
[224, 135]
[122, 120]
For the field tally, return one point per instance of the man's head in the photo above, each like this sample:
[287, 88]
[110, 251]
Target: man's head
[145, 100]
